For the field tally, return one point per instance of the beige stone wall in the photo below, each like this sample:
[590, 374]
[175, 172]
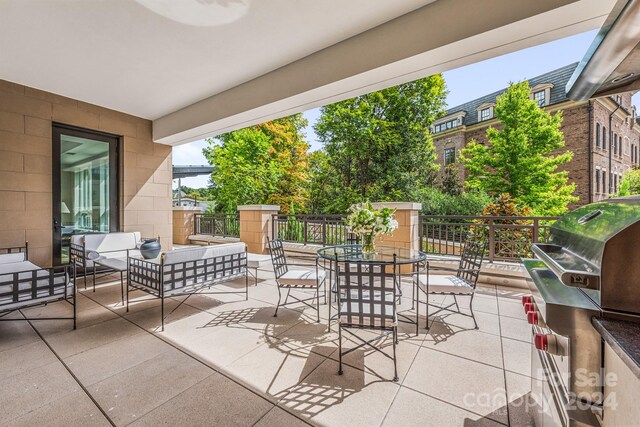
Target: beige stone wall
[26, 117]
[183, 218]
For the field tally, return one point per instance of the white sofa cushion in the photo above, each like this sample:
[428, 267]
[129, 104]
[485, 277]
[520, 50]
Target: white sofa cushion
[445, 284]
[25, 271]
[202, 252]
[12, 258]
[111, 242]
[302, 278]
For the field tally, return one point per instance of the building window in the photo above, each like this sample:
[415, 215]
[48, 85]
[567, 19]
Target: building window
[485, 114]
[597, 134]
[539, 97]
[449, 156]
[604, 138]
[449, 124]
[597, 181]
[604, 180]
[615, 182]
[615, 144]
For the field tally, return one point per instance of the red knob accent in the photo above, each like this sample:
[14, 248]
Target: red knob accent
[527, 299]
[528, 307]
[541, 342]
[532, 317]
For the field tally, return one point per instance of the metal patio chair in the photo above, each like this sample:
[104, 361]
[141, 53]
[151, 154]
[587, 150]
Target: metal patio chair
[462, 281]
[367, 298]
[295, 279]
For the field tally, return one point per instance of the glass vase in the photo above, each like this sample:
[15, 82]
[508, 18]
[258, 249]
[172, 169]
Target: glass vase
[368, 244]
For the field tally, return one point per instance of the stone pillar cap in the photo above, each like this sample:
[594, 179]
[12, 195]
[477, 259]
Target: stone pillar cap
[398, 205]
[259, 208]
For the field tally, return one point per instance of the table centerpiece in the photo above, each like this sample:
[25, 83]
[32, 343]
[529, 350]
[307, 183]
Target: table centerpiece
[368, 222]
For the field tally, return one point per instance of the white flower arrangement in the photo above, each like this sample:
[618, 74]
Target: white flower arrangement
[365, 220]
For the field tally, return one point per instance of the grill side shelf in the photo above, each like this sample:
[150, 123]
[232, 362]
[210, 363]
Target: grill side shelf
[569, 267]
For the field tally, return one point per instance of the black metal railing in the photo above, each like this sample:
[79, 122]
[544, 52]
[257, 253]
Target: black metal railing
[509, 238]
[312, 229]
[222, 225]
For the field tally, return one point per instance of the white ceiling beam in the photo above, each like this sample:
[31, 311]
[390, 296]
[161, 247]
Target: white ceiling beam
[440, 36]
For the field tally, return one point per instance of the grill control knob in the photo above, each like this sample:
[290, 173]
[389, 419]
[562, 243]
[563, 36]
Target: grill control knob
[528, 307]
[532, 317]
[527, 299]
[541, 342]
[548, 343]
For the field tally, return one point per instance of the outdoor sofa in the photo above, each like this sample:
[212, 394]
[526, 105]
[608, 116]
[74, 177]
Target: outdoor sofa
[104, 251]
[24, 284]
[187, 271]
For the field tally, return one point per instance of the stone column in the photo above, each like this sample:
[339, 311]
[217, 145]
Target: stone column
[407, 235]
[255, 226]
[183, 218]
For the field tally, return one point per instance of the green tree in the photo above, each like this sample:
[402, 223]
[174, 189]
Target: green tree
[266, 163]
[630, 183]
[522, 156]
[378, 145]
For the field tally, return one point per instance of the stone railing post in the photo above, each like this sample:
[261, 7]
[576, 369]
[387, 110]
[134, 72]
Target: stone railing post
[255, 226]
[407, 235]
[183, 218]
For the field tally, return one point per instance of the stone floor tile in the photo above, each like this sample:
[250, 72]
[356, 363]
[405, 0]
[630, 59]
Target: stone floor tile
[25, 358]
[276, 366]
[355, 398]
[470, 344]
[520, 399]
[280, 417]
[470, 385]
[411, 408]
[74, 342]
[374, 362]
[75, 409]
[35, 388]
[102, 362]
[515, 329]
[216, 400]
[511, 308]
[133, 393]
[16, 333]
[517, 356]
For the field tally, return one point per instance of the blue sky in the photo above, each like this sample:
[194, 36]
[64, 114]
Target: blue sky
[464, 84]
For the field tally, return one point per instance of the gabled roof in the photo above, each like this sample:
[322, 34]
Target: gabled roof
[558, 78]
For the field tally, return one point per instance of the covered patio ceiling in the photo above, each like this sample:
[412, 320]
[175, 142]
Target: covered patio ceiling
[200, 68]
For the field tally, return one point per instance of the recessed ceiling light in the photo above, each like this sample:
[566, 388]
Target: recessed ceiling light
[621, 78]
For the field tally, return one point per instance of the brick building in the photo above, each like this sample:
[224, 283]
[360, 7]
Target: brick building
[602, 133]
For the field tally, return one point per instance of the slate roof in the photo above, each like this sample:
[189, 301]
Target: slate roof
[558, 78]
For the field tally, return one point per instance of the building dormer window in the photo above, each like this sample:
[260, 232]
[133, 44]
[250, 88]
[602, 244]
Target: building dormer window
[449, 122]
[485, 111]
[541, 93]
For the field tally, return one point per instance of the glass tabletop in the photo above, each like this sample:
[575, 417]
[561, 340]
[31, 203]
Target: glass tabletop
[384, 254]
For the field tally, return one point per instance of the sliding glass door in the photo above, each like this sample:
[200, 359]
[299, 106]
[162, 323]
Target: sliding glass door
[85, 186]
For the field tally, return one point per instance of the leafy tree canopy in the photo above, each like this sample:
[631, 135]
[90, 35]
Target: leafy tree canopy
[266, 163]
[522, 156]
[378, 146]
[630, 183]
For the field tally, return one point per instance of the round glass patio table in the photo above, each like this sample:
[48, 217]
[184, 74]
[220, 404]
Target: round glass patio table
[383, 255]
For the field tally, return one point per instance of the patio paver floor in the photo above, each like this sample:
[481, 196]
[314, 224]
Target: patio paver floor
[225, 361]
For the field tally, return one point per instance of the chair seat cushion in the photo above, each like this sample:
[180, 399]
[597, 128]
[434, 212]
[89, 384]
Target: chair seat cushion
[302, 278]
[12, 258]
[445, 284]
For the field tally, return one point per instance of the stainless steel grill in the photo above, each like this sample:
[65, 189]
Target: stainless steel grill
[589, 267]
